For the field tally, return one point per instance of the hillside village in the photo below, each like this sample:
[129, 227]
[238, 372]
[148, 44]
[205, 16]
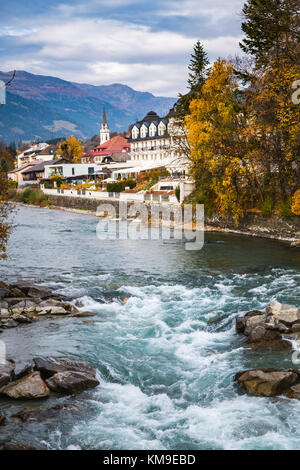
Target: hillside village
[147, 164]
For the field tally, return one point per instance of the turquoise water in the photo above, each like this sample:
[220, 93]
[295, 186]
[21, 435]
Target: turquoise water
[167, 357]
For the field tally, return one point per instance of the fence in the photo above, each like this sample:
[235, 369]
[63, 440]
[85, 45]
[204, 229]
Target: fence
[100, 195]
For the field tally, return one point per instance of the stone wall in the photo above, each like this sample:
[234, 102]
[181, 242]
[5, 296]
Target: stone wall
[253, 224]
[256, 224]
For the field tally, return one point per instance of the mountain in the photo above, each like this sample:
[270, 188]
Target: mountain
[43, 107]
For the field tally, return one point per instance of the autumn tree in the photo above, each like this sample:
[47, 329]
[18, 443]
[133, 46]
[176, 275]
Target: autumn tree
[71, 149]
[296, 203]
[5, 210]
[216, 127]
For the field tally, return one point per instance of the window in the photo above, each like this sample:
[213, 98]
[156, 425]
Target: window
[91, 170]
[73, 171]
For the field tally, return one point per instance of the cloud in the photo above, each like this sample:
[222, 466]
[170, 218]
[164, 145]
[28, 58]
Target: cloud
[74, 44]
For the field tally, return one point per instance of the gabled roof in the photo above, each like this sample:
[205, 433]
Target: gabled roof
[51, 149]
[23, 167]
[41, 166]
[115, 145]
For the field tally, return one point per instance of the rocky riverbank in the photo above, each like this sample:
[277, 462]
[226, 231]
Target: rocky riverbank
[275, 329]
[24, 302]
[39, 379]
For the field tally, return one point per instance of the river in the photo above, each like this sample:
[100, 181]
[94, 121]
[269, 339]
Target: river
[166, 358]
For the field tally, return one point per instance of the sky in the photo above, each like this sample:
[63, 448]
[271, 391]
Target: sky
[145, 44]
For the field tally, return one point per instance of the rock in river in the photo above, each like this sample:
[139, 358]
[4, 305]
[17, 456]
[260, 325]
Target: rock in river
[6, 372]
[49, 366]
[16, 446]
[267, 382]
[43, 414]
[71, 382]
[30, 386]
[270, 329]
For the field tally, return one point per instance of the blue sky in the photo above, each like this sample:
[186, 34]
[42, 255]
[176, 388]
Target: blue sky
[144, 44]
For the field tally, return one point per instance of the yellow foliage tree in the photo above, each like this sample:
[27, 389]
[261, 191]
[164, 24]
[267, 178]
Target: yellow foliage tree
[275, 127]
[296, 203]
[216, 128]
[4, 214]
[71, 149]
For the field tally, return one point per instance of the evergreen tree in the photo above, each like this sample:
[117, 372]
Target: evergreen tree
[272, 30]
[197, 75]
[198, 68]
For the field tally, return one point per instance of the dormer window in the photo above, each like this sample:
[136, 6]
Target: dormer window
[161, 129]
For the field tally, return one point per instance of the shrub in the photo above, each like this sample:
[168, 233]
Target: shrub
[177, 193]
[296, 203]
[120, 186]
[48, 185]
[267, 206]
[31, 196]
[12, 184]
[286, 209]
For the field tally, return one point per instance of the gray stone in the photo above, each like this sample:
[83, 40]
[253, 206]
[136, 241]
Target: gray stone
[25, 304]
[21, 318]
[40, 415]
[2, 420]
[49, 366]
[8, 323]
[71, 382]
[287, 314]
[16, 446]
[30, 386]
[267, 382]
[4, 313]
[251, 322]
[6, 372]
[294, 392]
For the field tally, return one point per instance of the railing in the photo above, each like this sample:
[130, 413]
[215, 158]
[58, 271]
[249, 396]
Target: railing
[100, 195]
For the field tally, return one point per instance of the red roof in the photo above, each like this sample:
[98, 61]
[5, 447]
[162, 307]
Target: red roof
[115, 145]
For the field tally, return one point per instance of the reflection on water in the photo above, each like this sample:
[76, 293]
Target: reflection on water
[167, 356]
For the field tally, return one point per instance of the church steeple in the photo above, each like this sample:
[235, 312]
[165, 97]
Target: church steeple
[104, 129]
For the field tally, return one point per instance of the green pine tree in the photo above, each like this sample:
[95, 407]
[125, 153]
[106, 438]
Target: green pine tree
[272, 30]
[197, 76]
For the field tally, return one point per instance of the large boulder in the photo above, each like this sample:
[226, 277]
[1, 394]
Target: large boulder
[267, 382]
[71, 382]
[270, 329]
[287, 314]
[4, 290]
[49, 366]
[17, 446]
[30, 386]
[6, 372]
[31, 290]
[294, 392]
[43, 414]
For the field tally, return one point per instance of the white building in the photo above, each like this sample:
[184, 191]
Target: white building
[39, 152]
[68, 170]
[156, 140]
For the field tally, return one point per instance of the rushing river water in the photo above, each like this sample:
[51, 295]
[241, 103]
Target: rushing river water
[166, 358]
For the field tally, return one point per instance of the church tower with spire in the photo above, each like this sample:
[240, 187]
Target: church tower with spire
[104, 129]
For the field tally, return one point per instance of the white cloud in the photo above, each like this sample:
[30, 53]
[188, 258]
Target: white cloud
[103, 51]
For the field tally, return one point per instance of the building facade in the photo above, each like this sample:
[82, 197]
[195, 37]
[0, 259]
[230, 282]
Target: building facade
[39, 152]
[156, 139]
